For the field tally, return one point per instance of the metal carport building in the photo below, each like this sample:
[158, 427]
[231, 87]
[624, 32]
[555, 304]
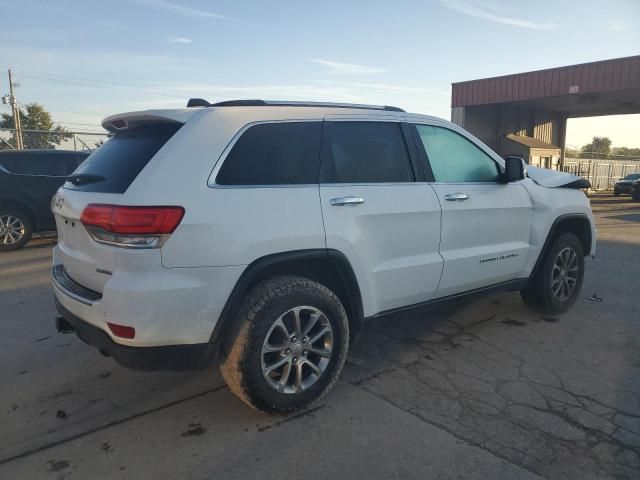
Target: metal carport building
[537, 104]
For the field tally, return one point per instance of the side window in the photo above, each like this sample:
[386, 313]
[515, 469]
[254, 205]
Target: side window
[274, 154]
[35, 164]
[454, 159]
[364, 152]
[13, 163]
[52, 165]
[73, 162]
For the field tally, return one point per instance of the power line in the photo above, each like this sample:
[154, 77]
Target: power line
[81, 113]
[74, 123]
[109, 84]
[106, 82]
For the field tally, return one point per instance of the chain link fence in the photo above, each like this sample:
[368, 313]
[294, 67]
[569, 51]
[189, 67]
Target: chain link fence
[601, 173]
[51, 139]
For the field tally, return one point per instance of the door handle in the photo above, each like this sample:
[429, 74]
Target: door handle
[456, 197]
[342, 201]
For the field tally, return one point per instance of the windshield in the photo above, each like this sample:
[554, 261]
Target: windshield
[632, 176]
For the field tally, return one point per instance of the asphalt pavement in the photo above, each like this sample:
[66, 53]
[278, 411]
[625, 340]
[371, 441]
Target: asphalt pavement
[483, 389]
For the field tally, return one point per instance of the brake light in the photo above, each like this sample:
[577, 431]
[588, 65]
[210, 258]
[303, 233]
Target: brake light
[133, 227]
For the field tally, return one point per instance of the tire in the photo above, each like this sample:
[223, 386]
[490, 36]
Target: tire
[616, 193]
[263, 342]
[544, 292]
[16, 229]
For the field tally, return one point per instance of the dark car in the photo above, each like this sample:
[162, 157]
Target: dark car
[624, 184]
[28, 181]
[635, 191]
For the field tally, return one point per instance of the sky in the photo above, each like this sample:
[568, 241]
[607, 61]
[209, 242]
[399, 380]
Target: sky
[87, 59]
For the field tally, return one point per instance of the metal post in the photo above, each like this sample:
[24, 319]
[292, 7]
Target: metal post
[17, 124]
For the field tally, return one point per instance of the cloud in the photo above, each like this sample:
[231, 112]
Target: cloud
[182, 40]
[389, 88]
[183, 9]
[340, 68]
[616, 26]
[492, 14]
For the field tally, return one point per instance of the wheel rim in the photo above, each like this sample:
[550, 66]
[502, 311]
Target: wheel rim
[564, 275]
[297, 349]
[11, 229]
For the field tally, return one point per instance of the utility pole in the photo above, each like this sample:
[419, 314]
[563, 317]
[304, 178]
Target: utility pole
[17, 124]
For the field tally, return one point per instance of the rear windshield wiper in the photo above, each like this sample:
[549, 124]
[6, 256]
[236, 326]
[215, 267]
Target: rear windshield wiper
[84, 178]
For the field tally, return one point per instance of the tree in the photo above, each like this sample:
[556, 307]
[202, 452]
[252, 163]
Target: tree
[600, 147]
[36, 118]
[626, 152]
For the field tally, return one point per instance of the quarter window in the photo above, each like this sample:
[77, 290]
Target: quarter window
[364, 152]
[274, 154]
[455, 159]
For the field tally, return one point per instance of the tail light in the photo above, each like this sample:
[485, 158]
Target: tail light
[131, 227]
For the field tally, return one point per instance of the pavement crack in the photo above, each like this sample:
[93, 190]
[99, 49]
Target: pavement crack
[106, 426]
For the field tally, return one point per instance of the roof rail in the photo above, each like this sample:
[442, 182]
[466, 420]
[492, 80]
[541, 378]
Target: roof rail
[199, 102]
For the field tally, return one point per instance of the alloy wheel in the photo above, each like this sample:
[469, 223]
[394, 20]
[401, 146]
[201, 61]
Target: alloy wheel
[564, 274]
[12, 229]
[297, 349]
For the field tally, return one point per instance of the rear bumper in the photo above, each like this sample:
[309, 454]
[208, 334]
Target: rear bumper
[171, 357]
[166, 306]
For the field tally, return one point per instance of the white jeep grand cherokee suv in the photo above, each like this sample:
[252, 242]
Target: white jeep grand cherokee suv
[269, 232]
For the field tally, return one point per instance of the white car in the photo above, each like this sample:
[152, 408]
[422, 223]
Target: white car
[269, 232]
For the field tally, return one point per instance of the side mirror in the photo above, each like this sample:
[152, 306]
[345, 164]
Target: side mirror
[513, 169]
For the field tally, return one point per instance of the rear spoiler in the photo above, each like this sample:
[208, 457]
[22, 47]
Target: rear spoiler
[125, 121]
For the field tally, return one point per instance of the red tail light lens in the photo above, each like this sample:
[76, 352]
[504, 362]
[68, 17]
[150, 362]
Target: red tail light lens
[132, 220]
[131, 227]
[122, 331]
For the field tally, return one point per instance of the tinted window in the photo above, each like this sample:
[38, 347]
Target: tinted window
[364, 152]
[13, 162]
[274, 154]
[74, 161]
[455, 159]
[35, 163]
[632, 176]
[120, 159]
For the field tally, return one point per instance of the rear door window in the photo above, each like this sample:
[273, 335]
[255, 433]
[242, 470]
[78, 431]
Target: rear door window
[365, 152]
[282, 153]
[119, 160]
[13, 162]
[74, 161]
[46, 163]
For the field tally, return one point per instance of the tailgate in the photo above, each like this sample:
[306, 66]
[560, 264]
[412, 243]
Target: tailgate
[85, 261]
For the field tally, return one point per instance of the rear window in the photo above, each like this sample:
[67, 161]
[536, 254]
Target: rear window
[122, 158]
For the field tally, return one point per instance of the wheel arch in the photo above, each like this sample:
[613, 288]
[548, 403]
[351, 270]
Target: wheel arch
[576, 223]
[22, 205]
[326, 266]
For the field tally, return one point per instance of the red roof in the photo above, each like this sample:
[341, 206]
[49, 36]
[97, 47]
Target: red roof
[603, 76]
